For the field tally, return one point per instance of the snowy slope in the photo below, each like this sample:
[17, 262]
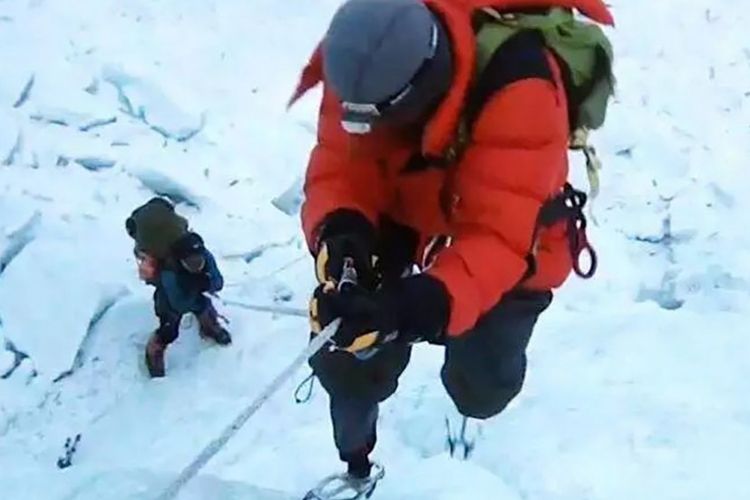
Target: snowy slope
[636, 384]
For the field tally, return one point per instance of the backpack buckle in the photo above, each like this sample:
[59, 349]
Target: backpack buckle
[504, 17]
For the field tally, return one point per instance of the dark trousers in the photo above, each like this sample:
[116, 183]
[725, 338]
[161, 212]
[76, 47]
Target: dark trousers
[169, 318]
[483, 371]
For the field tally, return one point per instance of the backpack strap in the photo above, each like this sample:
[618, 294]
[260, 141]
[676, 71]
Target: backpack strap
[520, 57]
[505, 56]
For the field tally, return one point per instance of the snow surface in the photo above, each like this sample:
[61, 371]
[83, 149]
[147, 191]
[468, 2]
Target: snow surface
[637, 384]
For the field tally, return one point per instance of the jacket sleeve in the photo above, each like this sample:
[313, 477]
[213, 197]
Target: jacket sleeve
[180, 297]
[215, 278]
[342, 174]
[513, 164]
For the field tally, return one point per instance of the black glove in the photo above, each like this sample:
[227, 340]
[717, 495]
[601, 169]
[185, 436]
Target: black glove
[346, 235]
[364, 323]
[411, 309]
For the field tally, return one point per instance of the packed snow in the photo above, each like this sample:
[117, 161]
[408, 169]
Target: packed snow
[637, 385]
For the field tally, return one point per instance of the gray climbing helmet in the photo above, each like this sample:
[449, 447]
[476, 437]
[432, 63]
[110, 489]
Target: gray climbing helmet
[386, 60]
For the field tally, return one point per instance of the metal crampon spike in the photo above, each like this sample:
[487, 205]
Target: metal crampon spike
[345, 487]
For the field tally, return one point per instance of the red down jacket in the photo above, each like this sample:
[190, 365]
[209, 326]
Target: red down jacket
[516, 160]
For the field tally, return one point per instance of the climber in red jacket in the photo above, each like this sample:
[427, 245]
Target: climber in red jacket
[434, 202]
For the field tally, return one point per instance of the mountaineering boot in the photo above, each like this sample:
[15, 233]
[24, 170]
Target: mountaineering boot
[358, 464]
[155, 356]
[347, 486]
[210, 327]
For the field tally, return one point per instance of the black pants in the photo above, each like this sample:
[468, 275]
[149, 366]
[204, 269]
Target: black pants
[169, 318]
[483, 371]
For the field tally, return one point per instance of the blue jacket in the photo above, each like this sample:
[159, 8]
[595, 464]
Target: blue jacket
[184, 290]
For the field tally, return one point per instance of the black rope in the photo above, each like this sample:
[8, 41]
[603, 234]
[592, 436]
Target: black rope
[575, 200]
[310, 381]
[568, 206]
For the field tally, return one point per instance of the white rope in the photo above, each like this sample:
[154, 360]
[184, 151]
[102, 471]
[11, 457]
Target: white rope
[285, 310]
[217, 444]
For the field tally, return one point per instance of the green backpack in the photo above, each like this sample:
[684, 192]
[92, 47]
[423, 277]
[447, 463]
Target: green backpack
[585, 54]
[155, 227]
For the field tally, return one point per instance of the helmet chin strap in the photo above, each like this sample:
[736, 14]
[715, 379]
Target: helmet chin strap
[367, 112]
[356, 128]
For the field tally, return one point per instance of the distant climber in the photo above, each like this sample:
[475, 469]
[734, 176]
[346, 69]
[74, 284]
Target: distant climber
[175, 261]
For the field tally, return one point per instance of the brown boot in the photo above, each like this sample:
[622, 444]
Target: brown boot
[155, 356]
[210, 327]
